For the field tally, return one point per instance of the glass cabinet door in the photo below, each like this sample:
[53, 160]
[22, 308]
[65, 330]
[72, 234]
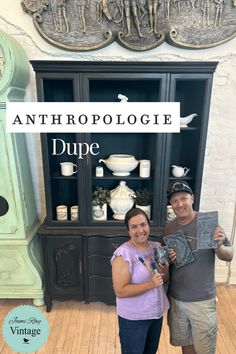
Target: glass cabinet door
[187, 148]
[59, 87]
[63, 170]
[141, 146]
[64, 173]
[138, 87]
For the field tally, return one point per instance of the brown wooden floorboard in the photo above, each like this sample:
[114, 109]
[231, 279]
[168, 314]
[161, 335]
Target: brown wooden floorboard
[79, 328]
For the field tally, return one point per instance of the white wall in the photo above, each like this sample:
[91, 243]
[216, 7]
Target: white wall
[219, 178]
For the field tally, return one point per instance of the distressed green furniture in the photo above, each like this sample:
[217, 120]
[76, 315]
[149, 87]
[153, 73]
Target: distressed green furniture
[20, 270]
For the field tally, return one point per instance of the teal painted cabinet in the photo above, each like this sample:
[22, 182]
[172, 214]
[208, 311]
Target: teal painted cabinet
[20, 266]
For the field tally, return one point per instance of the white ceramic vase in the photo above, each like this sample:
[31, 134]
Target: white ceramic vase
[99, 213]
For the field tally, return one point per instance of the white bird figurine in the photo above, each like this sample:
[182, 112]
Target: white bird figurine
[184, 121]
[122, 98]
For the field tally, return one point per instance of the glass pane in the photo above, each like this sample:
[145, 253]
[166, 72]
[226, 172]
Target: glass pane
[64, 192]
[64, 172]
[135, 90]
[191, 95]
[141, 146]
[58, 90]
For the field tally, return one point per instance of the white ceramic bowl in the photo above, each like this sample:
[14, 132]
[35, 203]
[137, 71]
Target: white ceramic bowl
[120, 164]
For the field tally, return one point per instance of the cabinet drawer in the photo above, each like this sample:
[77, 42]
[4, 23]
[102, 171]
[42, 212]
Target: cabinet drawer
[99, 265]
[104, 246]
[101, 287]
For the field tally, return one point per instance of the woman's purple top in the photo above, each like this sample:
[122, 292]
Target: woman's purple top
[151, 304]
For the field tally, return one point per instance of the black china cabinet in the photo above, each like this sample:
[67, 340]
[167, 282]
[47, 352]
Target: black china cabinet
[77, 253]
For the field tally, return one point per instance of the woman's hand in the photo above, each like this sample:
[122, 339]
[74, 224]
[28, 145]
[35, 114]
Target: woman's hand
[172, 255]
[157, 280]
[163, 269]
[121, 280]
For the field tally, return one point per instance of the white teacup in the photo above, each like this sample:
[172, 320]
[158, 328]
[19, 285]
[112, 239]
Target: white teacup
[61, 212]
[68, 168]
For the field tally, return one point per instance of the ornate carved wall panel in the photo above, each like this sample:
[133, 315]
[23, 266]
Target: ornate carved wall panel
[82, 25]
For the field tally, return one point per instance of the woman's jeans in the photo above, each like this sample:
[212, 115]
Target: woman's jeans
[139, 337]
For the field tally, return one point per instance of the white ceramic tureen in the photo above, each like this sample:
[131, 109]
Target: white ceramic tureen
[120, 164]
[121, 200]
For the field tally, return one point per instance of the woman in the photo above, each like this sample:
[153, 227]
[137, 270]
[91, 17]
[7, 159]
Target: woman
[140, 297]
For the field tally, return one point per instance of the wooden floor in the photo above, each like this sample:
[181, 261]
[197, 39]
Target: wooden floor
[80, 328]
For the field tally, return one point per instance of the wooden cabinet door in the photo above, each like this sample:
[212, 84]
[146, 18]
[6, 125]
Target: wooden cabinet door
[65, 267]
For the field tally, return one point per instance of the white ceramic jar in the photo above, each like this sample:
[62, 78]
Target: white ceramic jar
[144, 168]
[61, 212]
[170, 213]
[99, 171]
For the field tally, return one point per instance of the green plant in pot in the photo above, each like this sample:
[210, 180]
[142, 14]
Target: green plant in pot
[100, 198]
[143, 198]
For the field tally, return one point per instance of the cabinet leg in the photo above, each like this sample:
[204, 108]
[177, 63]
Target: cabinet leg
[48, 303]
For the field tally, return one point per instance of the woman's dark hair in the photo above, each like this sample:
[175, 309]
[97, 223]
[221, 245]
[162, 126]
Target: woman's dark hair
[133, 212]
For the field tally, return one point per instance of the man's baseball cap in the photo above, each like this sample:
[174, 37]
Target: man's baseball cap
[178, 186]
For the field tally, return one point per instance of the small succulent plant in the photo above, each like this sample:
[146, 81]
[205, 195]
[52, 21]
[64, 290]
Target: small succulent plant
[143, 196]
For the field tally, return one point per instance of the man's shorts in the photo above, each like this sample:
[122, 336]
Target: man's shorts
[193, 323]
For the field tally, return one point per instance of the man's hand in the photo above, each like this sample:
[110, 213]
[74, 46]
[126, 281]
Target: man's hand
[224, 252]
[172, 255]
[219, 236]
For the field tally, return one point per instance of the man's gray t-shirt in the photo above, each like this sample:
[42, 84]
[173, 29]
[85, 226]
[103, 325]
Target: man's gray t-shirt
[194, 281]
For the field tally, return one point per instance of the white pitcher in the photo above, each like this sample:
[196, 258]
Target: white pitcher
[179, 171]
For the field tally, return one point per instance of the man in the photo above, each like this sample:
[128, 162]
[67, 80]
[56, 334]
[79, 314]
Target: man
[134, 6]
[152, 11]
[192, 316]
[59, 11]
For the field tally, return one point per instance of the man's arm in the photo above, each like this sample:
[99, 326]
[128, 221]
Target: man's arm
[225, 250]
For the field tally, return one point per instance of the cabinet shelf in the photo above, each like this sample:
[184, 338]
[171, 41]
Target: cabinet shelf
[188, 129]
[123, 178]
[65, 222]
[188, 177]
[63, 177]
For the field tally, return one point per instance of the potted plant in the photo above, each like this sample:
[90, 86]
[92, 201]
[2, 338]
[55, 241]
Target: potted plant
[100, 198]
[143, 197]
